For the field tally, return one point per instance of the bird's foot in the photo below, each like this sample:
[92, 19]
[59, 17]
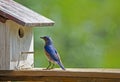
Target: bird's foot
[48, 68]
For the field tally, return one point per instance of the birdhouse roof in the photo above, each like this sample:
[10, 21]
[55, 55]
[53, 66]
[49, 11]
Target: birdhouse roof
[12, 10]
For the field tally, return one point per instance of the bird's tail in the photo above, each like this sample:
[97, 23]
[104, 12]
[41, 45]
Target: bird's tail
[61, 65]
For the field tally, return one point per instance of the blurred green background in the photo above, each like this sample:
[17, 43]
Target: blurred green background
[86, 32]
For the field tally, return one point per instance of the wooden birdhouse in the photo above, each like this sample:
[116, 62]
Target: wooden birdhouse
[16, 34]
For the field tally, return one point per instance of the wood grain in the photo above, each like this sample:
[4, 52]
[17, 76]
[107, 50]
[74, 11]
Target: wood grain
[11, 46]
[22, 15]
[57, 75]
[18, 45]
[2, 46]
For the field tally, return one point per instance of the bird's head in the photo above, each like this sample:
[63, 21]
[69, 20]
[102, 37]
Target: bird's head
[47, 39]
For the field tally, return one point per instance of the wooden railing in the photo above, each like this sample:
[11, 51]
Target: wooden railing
[58, 75]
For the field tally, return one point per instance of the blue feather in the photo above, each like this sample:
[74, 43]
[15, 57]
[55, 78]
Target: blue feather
[50, 49]
[61, 65]
[54, 55]
[52, 52]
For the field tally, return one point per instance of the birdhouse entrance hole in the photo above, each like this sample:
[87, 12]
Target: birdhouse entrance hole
[21, 32]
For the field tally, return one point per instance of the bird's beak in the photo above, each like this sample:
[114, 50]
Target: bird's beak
[42, 37]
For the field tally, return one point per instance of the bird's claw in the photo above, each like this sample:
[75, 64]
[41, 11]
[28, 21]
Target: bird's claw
[48, 68]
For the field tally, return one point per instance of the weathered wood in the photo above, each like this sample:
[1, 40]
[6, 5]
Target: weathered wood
[12, 45]
[22, 15]
[58, 75]
[2, 19]
[27, 52]
[4, 45]
[18, 44]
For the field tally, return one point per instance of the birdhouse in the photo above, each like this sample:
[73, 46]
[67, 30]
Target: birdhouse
[16, 34]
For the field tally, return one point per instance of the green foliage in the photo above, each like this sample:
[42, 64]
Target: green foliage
[86, 32]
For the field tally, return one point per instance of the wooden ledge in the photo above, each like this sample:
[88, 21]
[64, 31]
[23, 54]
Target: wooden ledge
[70, 75]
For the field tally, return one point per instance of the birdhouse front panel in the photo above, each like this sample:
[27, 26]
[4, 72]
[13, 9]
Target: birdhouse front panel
[15, 40]
[21, 40]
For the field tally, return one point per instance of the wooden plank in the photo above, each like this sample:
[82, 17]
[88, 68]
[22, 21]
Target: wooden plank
[2, 46]
[7, 47]
[4, 52]
[107, 80]
[22, 15]
[18, 44]
[46, 79]
[70, 75]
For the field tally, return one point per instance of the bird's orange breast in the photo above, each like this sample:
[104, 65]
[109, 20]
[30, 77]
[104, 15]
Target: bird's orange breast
[49, 58]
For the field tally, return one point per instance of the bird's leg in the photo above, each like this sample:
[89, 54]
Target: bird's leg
[49, 65]
[52, 66]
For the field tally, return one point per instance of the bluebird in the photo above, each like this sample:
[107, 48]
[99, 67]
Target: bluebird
[51, 53]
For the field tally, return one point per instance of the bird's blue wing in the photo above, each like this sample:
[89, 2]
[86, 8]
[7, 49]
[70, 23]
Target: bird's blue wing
[54, 55]
[52, 52]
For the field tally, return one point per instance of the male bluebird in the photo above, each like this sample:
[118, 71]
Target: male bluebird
[51, 53]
